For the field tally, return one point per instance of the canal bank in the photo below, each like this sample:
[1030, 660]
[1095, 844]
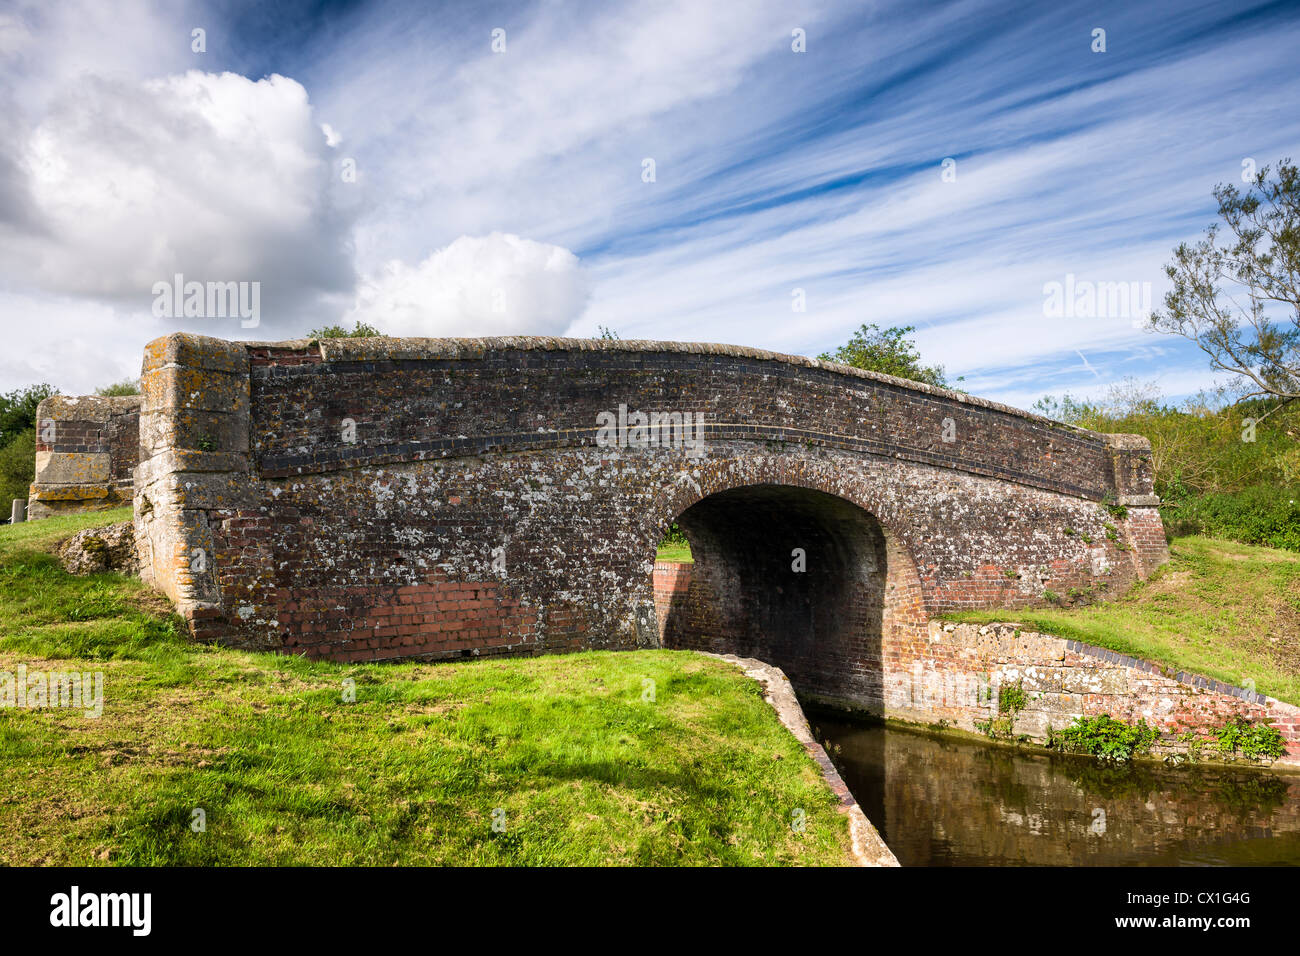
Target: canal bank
[1006, 681]
[867, 846]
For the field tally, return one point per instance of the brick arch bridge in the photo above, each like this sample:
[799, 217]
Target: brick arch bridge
[380, 498]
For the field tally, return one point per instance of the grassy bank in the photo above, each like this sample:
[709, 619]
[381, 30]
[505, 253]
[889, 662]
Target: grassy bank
[674, 551]
[565, 753]
[1221, 609]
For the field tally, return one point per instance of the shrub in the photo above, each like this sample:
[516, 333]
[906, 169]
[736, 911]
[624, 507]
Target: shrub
[362, 331]
[1249, 740]
[17, 469]
[128, 386]
[1261, 514]
[1104, 737]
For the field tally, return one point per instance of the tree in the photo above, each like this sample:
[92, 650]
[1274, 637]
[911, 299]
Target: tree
[1238, 296]
[17, 467]
[128, 386]
[18, 410]
[362, 331]
[890, 352]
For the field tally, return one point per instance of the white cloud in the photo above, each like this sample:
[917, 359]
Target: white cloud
[498, 284]
[211, 175]
[72, 343]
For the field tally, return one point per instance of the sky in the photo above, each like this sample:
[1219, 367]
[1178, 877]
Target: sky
[769, 174]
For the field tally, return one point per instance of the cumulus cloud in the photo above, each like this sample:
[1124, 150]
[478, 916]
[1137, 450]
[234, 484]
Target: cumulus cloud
[211, 175]
[497, 284]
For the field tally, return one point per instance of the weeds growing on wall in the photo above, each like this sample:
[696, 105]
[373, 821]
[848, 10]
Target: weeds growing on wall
[1011, 701]
[1103, 737]
[1252, 741]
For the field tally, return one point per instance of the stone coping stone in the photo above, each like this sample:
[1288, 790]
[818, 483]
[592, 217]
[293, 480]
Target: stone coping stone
[87, 408]
[41, 492]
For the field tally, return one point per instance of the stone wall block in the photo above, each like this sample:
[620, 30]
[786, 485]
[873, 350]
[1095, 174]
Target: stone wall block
[193, 459]
[81, 463]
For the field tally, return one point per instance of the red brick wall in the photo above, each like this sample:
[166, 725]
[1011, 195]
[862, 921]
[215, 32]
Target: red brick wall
[672, 581]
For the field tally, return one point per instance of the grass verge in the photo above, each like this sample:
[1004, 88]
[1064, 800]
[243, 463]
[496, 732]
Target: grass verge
[674, 551]
[565, 754]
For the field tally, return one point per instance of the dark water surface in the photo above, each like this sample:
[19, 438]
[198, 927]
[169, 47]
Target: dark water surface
[944, 802]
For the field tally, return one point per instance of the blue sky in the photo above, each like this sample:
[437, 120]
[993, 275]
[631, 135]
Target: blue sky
[504, 191]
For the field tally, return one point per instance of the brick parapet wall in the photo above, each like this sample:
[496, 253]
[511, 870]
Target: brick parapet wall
[85, 453]
[743, 394]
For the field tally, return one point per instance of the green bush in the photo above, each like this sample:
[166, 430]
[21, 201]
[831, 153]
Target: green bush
[1261, 514]
[1103, 737]
[675, 535]
[128, 386]
[1252, 741]
[1225, 469]
[361, 331]
[17, 469]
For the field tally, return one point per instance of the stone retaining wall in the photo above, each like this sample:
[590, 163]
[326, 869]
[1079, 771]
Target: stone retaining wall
[953, 673]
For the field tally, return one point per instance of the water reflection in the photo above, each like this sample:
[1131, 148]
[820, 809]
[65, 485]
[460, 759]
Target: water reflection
[944, 802]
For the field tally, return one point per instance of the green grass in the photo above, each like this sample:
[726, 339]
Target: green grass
[579, 767]
[1221, 609]
[674, 551]
[46, 532]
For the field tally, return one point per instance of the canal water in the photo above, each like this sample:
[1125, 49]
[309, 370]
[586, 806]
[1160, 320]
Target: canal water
[938, 801]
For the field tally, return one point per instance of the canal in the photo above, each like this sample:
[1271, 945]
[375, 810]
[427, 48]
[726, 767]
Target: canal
[943, 801]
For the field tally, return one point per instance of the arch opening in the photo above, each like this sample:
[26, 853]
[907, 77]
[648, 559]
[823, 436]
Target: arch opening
[791, 576]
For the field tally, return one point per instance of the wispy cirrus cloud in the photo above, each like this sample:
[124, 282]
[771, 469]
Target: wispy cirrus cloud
[774, 170]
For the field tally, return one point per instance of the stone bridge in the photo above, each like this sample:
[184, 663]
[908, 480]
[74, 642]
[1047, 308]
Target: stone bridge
[371, 499]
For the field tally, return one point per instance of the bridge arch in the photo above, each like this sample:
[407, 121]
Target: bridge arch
[793, 565]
